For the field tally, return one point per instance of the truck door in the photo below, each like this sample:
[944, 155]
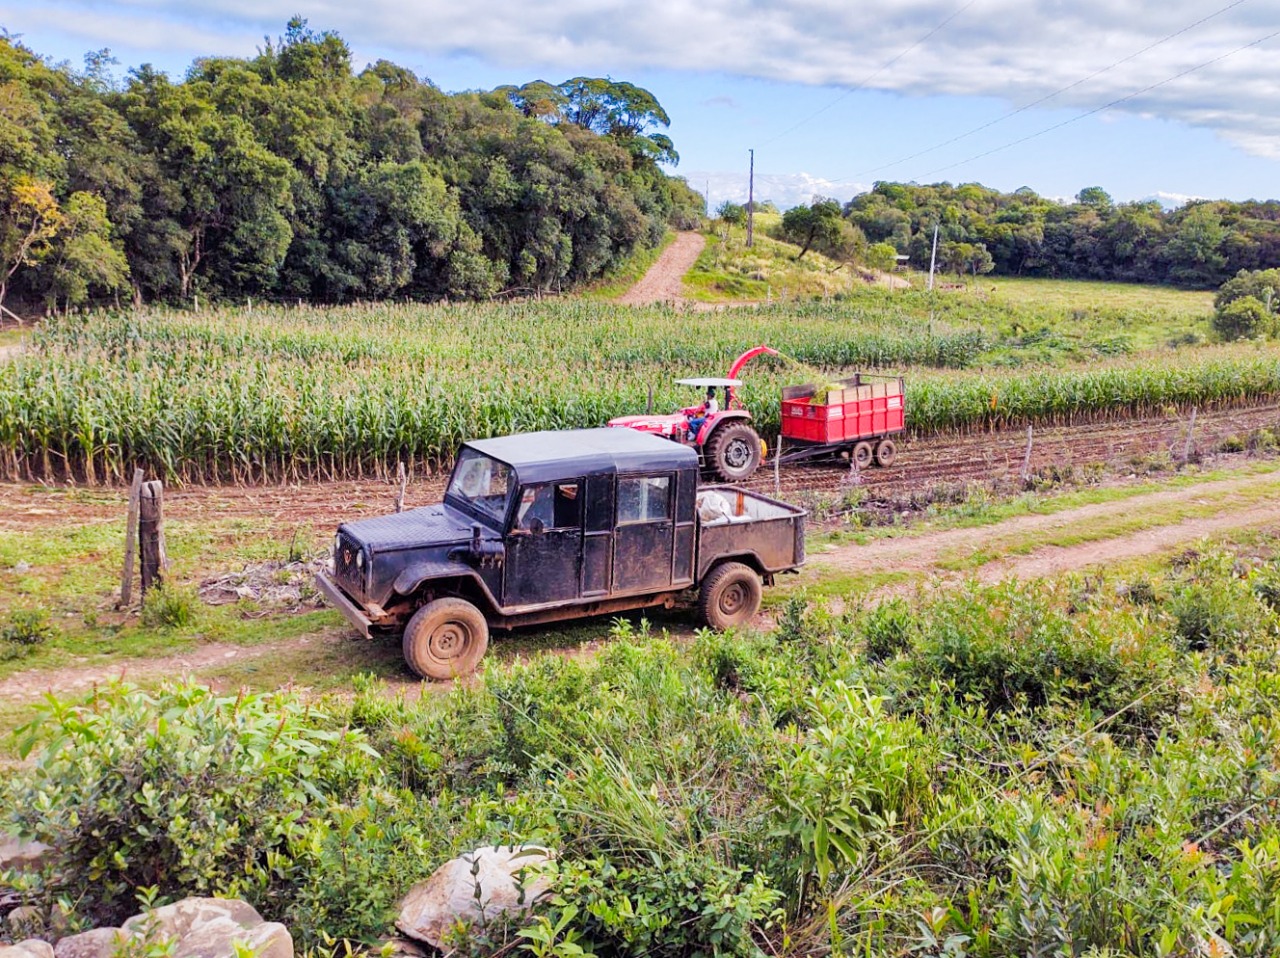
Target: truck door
[644, 534]
[544, 546]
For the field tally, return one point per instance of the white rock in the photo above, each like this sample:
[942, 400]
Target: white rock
[31, 948]
[448, 898]
[210, 928]
[20, 854]
[98, 943]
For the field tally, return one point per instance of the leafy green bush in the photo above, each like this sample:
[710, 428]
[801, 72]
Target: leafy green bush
[1016, 645]
[886, 629]
[182, 789]
[24, 628]
[170, 606]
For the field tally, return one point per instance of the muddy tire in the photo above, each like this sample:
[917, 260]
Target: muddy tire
[445, 638]
[733, 451]
[886, 453]
[729, 596]
[862, 454]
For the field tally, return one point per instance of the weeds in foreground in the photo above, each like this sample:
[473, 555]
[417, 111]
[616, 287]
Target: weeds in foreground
[1071, 768]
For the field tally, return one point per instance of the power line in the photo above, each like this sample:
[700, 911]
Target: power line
[1049, 96]
[1107, 106]
[871, 76]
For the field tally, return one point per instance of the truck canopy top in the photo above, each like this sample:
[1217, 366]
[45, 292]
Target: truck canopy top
[547, 456]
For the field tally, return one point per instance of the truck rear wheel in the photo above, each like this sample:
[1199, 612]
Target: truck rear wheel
[734, 451]
[886, 453]
[862, 454]
[445, 638]
[729, 596]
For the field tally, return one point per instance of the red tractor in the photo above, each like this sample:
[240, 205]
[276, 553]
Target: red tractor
[726, 441]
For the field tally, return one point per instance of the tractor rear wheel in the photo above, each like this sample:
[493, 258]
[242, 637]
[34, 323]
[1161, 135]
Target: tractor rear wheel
[886, 453]
[445, 638]
[733, 451]
[862, 454]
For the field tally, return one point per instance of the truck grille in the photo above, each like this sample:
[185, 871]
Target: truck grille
[344, 563]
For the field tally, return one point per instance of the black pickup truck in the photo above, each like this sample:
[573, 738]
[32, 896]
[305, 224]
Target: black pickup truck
[547, 526]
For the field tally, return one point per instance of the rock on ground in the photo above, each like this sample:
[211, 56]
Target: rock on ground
[21, 855]
[99, 943]
[31, 948]
[210, 927]
[448, 897]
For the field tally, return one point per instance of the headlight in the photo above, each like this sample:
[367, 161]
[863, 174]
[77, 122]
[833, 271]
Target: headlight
[337, 544]
[360, 559]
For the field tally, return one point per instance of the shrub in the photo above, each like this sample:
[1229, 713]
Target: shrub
[1242, 318]
[182, 789]
[170, 606]
[1018, 645]
[886, 629]
[27, 627]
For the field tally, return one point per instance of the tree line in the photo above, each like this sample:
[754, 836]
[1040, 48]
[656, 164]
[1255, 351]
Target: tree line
[289, 175]
[980, 230]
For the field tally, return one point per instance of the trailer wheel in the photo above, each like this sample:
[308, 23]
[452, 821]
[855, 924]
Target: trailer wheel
[862, 454]
[729, 596]
[734, 451]
[886, 453]
[445, 638]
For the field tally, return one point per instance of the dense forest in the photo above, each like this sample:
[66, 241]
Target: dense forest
[289, 175]
[982, 230]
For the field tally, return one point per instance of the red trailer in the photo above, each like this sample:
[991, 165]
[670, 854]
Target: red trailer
[856, 416]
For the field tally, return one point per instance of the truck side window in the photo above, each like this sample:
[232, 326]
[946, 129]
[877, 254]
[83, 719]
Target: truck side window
[644, 499]
[553, 506]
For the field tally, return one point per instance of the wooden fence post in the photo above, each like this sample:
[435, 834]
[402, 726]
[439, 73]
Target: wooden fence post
[130, 540]
[151, 534]
[777, 465]
[404, 481]
[1026, 460]
[1191, 428]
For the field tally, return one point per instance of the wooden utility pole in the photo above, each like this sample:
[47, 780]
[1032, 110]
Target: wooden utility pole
[751, 201]
[933, 257]
[151, 534]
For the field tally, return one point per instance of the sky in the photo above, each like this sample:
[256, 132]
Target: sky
[1172, 100]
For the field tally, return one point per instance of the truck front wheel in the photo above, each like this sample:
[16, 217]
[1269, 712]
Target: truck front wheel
[445, 638]
[729, 596]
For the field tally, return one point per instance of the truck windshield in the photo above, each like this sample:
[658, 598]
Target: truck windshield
[482, 482]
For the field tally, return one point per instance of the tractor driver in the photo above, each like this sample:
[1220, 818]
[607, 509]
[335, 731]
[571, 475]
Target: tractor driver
[708, 408]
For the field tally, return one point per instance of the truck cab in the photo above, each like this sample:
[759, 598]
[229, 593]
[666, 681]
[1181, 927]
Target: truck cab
[547, 526]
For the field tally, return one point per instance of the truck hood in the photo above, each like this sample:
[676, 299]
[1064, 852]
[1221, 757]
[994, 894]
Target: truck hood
[429, 526]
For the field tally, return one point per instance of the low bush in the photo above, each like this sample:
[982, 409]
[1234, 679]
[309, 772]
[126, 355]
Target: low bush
[170, 606]
[23, 629]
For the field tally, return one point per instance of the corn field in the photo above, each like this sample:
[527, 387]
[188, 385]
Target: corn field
[284, 394]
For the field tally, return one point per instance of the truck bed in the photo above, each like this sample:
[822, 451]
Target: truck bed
[748, 525]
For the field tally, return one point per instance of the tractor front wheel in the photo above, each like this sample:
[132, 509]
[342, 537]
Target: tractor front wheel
[733, 451]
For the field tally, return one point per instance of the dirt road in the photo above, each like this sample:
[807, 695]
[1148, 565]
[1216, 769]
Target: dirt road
[1023, 547]
[664, 282]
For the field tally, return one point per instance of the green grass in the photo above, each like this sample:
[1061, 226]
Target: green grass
[727, 271]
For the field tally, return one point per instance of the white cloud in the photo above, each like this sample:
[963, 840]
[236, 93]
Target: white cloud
[1015, 50]
[783, 189]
